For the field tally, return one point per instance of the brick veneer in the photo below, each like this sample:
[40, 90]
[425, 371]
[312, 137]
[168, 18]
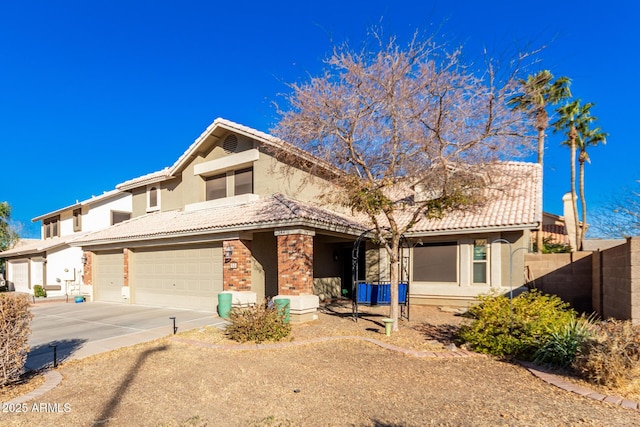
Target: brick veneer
[87, 269]
[295, 264]
[125, 281]
[237, 271]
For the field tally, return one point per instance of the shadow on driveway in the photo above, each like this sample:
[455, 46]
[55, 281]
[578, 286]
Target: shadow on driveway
[41, 356]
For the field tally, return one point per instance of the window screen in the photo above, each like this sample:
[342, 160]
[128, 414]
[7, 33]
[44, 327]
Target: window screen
[117, 217]
[244, 181]
[480, 261]
[153, 197]
[216, 187]
[436, 262]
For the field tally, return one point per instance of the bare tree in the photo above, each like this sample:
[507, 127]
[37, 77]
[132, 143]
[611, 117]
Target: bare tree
[621, 218]
[413, 132]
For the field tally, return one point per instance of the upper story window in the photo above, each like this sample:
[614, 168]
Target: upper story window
[117, 217]
[153, 198]
[77, 220]
[51, 227]
[243, 181]
[216, 187]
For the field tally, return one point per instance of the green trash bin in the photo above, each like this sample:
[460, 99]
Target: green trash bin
[224, 304]
[283, 306]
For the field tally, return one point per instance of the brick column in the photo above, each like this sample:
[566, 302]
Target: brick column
[295, 262]
[87, 269]
[126, 253]
[236, 272]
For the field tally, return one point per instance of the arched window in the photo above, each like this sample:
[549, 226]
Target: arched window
[153, 198]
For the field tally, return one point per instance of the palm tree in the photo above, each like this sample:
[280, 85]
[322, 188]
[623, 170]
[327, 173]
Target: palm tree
[538, 92]
[575, 121]
[567, 123]
[586, 138]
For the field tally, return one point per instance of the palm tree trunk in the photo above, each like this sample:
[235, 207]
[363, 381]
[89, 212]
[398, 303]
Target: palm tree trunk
[540, 146]
[574, 201]
[539, 241]
[583, 226]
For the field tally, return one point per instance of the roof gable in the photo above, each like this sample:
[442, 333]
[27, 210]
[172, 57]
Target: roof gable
[218, 129]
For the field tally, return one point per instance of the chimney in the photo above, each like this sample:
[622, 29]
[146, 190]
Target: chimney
[570, 223]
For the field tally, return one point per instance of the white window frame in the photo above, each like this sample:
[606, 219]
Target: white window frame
[485, 261]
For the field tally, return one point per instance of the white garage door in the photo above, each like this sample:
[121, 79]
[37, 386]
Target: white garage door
[19, 275]
[184, 277]
[108, 276]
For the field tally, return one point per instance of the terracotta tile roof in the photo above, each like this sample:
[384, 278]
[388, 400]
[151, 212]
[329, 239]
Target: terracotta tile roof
[149, 178]
[513, 201]
[34, 246]
[269, 212]
[517, 207]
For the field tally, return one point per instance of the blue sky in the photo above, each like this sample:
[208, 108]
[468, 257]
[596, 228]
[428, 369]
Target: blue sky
[95, 93]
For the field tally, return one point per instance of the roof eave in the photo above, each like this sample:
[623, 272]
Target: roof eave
[332, 227]
[474, 230]
[76, 205]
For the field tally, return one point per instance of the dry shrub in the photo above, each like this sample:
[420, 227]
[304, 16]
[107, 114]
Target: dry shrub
[611, 358]
[15, 321]
[262, 322]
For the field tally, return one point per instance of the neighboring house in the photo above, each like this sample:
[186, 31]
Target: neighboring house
[554, 229]
[51, 261]
[229, 216]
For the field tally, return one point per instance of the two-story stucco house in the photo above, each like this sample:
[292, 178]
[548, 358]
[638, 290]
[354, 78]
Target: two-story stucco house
[228, 215]
[50, 261]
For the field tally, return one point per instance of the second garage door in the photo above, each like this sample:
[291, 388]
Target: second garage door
[185, 277]
[19, 275]
[109, 276]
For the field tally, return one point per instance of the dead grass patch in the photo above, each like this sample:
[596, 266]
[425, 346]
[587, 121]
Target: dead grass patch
[27, 383]
[345, 382]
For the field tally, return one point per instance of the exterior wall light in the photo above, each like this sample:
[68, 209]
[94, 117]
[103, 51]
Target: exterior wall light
[228, 251]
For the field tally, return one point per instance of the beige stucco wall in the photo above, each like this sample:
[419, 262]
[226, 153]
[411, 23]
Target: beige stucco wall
[269, 176]
[327, 279]
[139, 201]
[463, 291]
[264, 276]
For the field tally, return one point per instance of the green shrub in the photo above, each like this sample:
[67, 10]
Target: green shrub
[516, 329]
[262, 322]
[562, 346]
[15, 321]
[38, 291]
[612, 356]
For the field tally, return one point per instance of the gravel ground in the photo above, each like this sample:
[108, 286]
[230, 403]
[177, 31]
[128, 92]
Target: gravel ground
[338, 383]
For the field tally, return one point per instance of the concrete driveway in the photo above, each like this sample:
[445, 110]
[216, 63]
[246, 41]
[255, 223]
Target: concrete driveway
[81, 330]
